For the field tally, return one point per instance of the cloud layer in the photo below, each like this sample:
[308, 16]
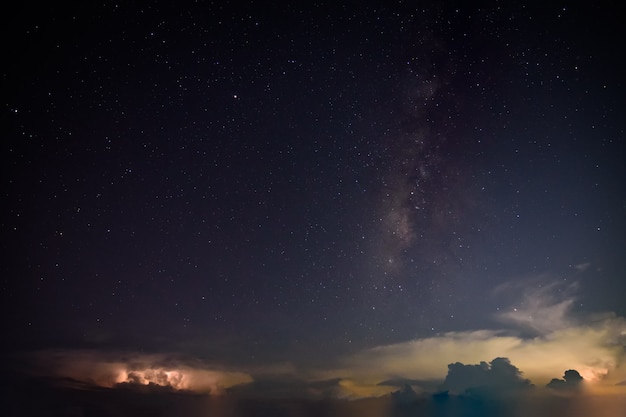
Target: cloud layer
[540, 335]
[109, 369]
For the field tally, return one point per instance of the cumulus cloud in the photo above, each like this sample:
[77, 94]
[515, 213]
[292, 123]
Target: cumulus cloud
[498, 375]
[588, 348]
[540, 335]
[571, 381]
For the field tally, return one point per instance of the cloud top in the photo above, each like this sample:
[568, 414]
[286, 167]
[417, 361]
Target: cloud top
[498, 375]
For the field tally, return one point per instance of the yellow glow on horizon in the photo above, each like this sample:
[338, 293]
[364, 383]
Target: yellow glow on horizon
[353, 389]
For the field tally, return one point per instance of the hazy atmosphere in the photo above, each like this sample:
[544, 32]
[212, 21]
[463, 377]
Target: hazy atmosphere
[313, 209]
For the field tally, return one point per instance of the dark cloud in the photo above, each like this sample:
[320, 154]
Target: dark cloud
[67, 397]
[419, 385]
[571, 381]
[487, 389]
[406, 395]
[108, 369]
[281, 387]
[56, 397]
[498, 375]
[497, 389]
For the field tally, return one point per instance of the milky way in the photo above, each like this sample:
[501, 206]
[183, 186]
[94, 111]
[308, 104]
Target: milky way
[274, 196]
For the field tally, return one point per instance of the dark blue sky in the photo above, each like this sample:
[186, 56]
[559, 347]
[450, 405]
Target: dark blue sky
[257, 184]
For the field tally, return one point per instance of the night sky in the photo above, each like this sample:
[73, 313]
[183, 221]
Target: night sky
[315, 191]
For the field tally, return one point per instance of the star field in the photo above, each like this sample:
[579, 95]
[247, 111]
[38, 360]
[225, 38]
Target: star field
[294, 183]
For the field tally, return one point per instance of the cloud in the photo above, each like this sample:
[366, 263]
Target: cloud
[571, 381]
[287, 386]
[109, 369]
[542, 337]
[583, 266]
[417, 385]
[588, 348]
[498, 375]
[543, 307]
[593, 345]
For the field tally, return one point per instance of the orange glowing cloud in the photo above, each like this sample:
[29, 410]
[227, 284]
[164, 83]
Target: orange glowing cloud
[110, 369]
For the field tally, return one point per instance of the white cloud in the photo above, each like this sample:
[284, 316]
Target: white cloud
[543, 308]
